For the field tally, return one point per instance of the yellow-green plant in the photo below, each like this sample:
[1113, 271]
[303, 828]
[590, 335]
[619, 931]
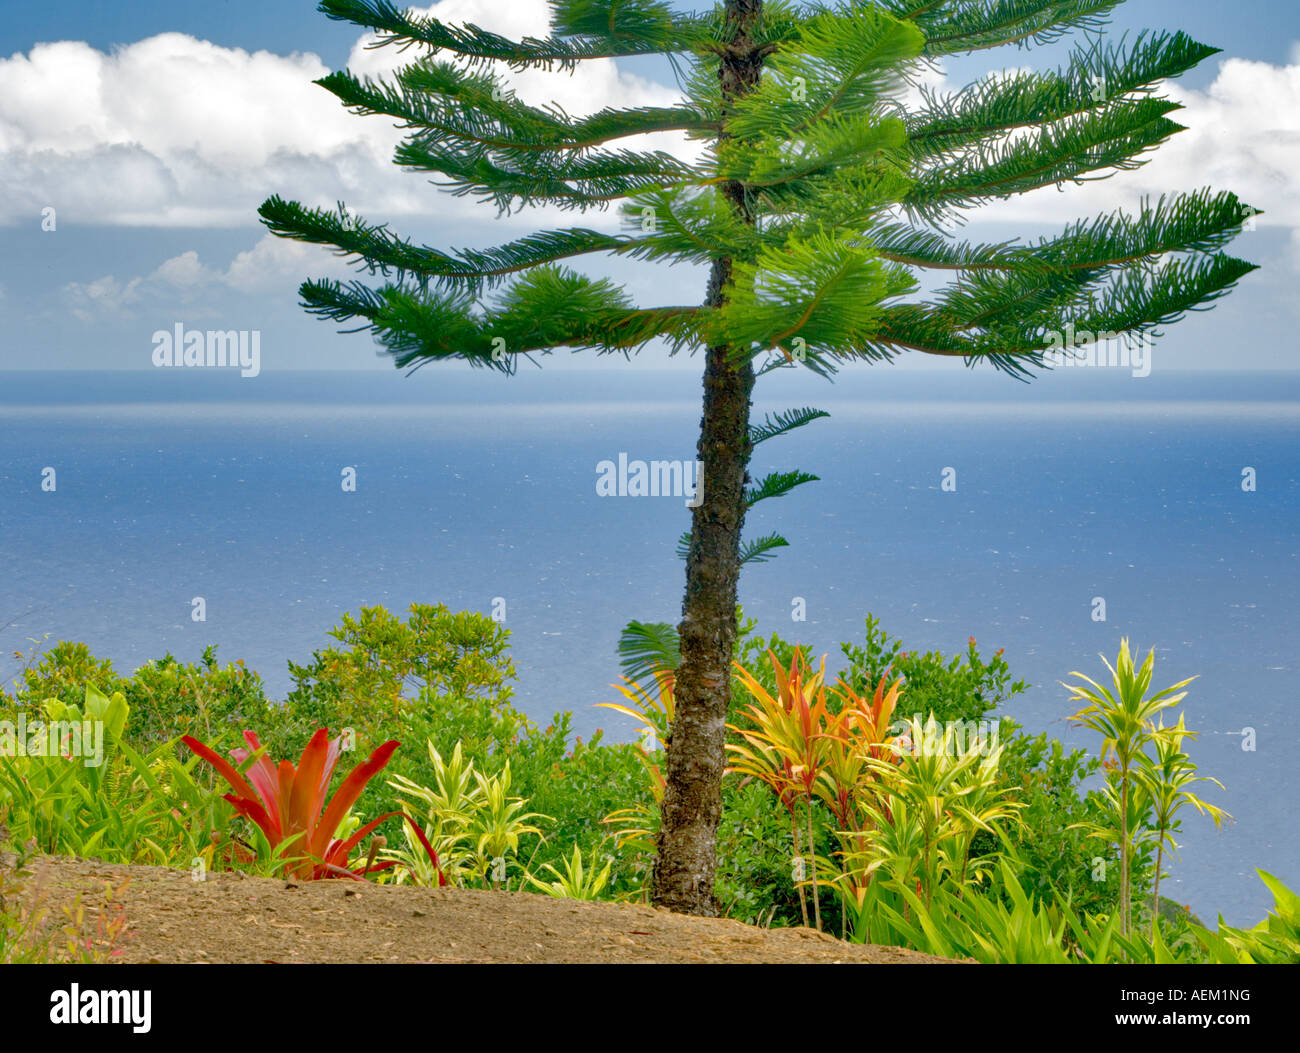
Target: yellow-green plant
[469, 818]
[1124, 716]
[1274, 941]
[577, 881]
[949, 791]
[654, 712]
[445, 812]
[635, 827]
[89, 793]
[499, 823]
[1166, 778]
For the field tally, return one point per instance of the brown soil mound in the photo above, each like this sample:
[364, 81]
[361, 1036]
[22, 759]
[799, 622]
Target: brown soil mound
[230, 918]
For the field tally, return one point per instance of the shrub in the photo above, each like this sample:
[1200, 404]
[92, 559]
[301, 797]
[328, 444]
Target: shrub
[389, 664]
[119, 806]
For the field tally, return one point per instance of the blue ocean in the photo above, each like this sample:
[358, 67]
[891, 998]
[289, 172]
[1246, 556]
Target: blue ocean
[1172, 498]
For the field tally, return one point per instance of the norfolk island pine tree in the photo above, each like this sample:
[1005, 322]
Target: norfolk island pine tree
[818, 198]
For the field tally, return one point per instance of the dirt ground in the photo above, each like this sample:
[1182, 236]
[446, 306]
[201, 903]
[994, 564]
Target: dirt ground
[230, 918]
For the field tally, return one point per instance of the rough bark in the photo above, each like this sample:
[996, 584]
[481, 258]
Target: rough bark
[692, 804]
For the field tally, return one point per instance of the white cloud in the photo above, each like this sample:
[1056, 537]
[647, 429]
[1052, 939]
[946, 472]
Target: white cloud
[273, 267]
[174, 131]
[1242, 134]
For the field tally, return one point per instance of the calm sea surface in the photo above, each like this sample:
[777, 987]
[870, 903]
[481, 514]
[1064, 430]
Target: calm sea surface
[177, 484]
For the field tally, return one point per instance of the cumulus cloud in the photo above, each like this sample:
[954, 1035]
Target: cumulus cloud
[1242, 134]
[272, 267]
[174, 131]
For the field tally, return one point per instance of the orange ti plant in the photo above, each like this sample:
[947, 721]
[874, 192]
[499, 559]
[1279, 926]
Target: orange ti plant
[636, 827]
[787, 746]
[856, 735]
[288, 804]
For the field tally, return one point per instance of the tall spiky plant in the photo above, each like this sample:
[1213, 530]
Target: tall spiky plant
[1124, 716]
[817, 200]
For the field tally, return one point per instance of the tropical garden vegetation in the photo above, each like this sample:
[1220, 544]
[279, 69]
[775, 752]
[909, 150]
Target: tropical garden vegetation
[891, 800]
[895, 803]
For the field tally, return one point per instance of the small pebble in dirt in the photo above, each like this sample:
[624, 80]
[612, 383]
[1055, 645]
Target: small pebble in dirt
[418, 913]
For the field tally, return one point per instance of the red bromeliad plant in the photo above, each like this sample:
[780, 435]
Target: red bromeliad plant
[289, 806]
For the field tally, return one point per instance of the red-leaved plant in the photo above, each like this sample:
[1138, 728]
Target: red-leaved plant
[288, 804]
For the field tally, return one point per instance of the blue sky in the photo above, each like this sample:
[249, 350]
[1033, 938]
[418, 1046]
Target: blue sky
[154, 129]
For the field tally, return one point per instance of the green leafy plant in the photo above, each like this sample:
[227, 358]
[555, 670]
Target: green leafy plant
[933, 799]
[469, 817]
[1274, 941]
[1167, 779]
[961, 687]
[118, 806]
[576, 881]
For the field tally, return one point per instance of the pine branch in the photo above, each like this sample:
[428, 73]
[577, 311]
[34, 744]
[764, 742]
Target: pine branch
[680, 33]
[1137, 301]
[1009, 102]
[953, 26]
[1140, 299]
[841, 63]
[449, 105]
[547, 308]
[761, 549]
[1203, 222]
[811, 297]
[1069, 151]
[575, 182]
[774, 165]
[931, 250]
[775, 424]
[776, 484]
[647, 648]
[467, 270]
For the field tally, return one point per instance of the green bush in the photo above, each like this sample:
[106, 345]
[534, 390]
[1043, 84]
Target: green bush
[89, 793]
[963, 687]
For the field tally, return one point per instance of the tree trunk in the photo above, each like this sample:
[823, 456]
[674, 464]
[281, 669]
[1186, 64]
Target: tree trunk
[692, 803]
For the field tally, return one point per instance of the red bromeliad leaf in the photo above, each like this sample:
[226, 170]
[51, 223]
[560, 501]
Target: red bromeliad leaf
[237, 782]
[250, 809]
[346, 796]
[338, 852]
[331, 759]
[304, 801]
[263, 777]
[428, 848]
[285, 782]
